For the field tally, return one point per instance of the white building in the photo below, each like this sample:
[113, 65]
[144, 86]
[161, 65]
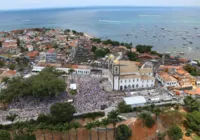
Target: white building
[135, 101]
[125, 75]
[80, 69]
[166, 79]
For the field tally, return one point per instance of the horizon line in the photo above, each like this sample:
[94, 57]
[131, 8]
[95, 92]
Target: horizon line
[105, 6]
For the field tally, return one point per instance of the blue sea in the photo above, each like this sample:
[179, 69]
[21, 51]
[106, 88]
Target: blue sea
[168, 29]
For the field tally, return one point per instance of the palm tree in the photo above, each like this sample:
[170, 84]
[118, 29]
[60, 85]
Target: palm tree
[67, 127]
[113, 118]
[105, 123]
[71, 72]
[97, 124]
[59, 128]
[89, 127]
[42, 127]
[76, 125]
[51, 128]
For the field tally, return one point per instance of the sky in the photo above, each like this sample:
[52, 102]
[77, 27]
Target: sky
[32, 4]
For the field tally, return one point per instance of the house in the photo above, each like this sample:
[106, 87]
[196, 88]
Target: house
[51, 55]
[166, 79]
[7, 73]
[146, 56]
[29, 47]
[32, 55]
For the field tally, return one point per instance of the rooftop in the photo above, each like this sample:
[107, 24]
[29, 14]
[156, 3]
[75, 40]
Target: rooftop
[135, 100]
[166, 77]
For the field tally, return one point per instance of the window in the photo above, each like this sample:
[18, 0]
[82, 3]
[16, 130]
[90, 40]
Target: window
[129, 80]
[121, 81]
[133, 86]
[133, 80]
[125, 81]
[137, 79]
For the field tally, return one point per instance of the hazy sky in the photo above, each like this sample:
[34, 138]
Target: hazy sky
[27, 4]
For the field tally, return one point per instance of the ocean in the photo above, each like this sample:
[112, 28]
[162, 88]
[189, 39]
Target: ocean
[168, 29]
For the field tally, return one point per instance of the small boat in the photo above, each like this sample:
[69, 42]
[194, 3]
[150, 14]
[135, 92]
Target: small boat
[195, 28]
[197, 47]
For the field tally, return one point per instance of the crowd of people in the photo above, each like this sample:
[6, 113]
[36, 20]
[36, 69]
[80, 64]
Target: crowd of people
[91, 96]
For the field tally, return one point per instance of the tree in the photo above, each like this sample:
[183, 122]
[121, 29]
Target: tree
[143, 48]
[113, 118]
[60, 128]
[47, 83]
[51, 128]
[157, 112]
[193, 120]
[42, 127]
[25, 137]
[2, 64]
[11, 117]
[123, 108]
[4, 135]
[191, 104]
[175, 133]
[123, 132]
[132, 56]
[89, 127]
[147, 119]
[93, 48]
[161, 136]
[68, 127]
[62, 112]
[71, 71]
[5, 80]
[97, 125]
[76, 125]
[12, 66]
[105, 123]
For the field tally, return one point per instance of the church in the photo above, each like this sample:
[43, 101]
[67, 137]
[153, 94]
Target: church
[126, 75]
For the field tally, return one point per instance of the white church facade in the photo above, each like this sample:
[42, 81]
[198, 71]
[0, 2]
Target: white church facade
[126, 75]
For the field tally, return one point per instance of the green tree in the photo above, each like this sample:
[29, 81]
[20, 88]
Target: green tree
[68, 127]
[113, 118]
[25, 137]
[62, 112]
[191, 104]
[4, 135]
[147, 119]
[175, 133]
[123, 108]
[93, 48]
[132, 56]
[123, 132]
[51, 129]
[105, 123]
[43, 127]
[5, 80]
[76, 125]
[2, 64]
[161, 136]
[12, 66]
[11, 117]
[193, 120]
[71, 71]
[143, 48]
[97, 124]
[89, 127]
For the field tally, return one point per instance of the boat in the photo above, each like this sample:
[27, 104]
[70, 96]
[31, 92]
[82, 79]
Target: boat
[195, 28]
[197, 47]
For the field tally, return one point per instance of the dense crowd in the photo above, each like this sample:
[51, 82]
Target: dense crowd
[90, 97]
